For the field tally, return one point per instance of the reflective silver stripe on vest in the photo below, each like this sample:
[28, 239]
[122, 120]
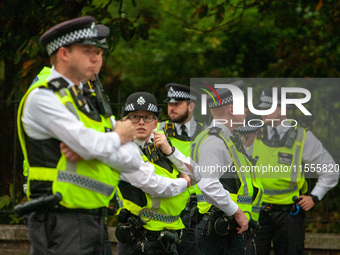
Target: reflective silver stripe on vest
[85, 182]
[71, 166]
[198, 145]
[158, 216]
[260, 191]
[256, 209]
[200, 198]
[237, 161]
[120, 201]
[273, 192]
[245, 200]
[69, 106]
[296, 163]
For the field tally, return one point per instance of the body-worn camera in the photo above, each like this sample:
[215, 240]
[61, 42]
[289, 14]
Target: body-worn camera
[170, 236]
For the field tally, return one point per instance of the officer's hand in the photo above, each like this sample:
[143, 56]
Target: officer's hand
[161, 142]
[69, 154]
[242, 221]
[126, 131]
[306, 202]
[187, 178]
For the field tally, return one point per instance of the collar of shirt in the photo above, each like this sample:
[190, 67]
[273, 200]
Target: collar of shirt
[55, 74]
[190, 125]
[281, 130]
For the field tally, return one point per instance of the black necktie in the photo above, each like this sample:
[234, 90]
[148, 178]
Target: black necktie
[184, 131]
[275, 138]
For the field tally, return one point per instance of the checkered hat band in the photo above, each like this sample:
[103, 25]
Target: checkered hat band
[71, 37]
[129, 108]
[152, 108]
[247, 129]
[266, 99]
[178, 94]
[225, 101]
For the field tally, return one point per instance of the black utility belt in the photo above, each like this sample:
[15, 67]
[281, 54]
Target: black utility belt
[103, 211]
[218, 222]
[277, 207]
[154, 235]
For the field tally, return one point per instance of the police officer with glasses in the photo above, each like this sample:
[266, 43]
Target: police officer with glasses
[152, 198]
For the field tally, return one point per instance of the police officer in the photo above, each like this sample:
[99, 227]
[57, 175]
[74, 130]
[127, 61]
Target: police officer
[287, 146]
[181, 129]
[55, 109]
[182, 125]
[247, 134]
[227, 192]
[249, 130]
[102, 33]
[153, 197]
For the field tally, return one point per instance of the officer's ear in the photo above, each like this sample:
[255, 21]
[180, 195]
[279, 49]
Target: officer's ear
[230, 109]
[192, 106]
[155, 122]
[63, 53]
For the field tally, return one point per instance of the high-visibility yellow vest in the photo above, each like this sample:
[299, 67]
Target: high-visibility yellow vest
[86, 184]
[158, 213]
[248, 185]
[279, 167]
[183, 144]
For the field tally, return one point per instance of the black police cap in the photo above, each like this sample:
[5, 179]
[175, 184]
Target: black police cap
[79, 30]
[255, 124]
[266, 98]
[178, 92]
[225, 95]
[141, 101]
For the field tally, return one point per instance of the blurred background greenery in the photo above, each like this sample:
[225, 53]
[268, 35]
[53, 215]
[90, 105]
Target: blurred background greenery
[156, 42]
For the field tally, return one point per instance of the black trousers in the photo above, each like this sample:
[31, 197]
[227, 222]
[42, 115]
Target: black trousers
[153, 247]
[188, 244]
[286, 231]
[67, 233]
[231, 244]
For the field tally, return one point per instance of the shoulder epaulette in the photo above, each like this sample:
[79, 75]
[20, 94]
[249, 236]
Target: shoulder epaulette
[58, 84]
[214, 131]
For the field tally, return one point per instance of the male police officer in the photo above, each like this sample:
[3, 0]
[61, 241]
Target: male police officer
[102, 33]
[225, 193]
[290, 147]
[152, 197]
[55, 109]
[182, 125]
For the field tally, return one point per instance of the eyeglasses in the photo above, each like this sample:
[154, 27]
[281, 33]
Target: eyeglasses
[136, 118]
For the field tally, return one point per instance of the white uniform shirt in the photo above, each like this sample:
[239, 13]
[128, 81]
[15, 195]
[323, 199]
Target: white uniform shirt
[190, 127]
[214, 152]
[158, 186]
[314, 153]
[45, 117]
